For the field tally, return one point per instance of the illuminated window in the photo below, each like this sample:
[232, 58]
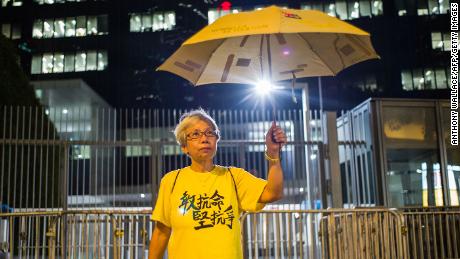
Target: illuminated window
[426, 79]
[377, 8]
[406, 80]
[341, 7]
[440, 41]
[441, 80]
[353, 9]
[36, 67]
[135, 23]
[70, 23]
[37, 31]
[429, 79]
[214, 14]
[365, 8]
[58, 63]
[11, 3]
[47, 63]
[418, 79]
[152, 21]
[147, 22]
[6, 30]
[91, 60]
[91, 25]
[69, 62]
[101, 60]
[48, 29]
[80, 61]
[80, 26]
[59, 28]
[422, 7]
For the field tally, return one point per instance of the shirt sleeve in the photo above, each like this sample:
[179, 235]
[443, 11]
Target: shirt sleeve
[162, 211]
[249, 190]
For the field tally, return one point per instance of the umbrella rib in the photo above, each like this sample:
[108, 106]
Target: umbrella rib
[324, 62]
[209, 59]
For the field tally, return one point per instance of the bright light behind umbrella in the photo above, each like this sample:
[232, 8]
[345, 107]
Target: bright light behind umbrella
[263, 87]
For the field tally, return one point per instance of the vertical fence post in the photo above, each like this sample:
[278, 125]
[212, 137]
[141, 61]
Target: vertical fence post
[334, 182]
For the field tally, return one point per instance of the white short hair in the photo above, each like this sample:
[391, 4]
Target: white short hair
[190, 118]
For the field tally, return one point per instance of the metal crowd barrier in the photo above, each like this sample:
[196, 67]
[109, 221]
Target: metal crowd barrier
[337, 233]
[76, 234]
[433, 232]
[334, 233]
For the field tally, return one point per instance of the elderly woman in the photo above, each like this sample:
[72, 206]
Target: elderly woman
[198, 206]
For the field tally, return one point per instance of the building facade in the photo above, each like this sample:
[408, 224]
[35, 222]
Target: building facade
[115, 46]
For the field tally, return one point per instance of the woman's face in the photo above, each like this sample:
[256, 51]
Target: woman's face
[201, 141]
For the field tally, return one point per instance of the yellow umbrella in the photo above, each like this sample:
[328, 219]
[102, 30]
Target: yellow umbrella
[271, 44]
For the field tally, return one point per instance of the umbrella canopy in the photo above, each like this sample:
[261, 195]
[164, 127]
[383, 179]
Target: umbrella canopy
[270, 44]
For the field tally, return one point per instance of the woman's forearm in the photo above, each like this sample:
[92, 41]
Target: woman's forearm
[159, 241]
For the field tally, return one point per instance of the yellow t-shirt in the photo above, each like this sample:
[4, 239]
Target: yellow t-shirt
[203, 211]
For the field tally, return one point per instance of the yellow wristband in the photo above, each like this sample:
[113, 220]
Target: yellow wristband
[270, 158]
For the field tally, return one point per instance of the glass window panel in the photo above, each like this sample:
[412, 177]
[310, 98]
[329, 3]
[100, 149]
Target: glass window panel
[422, 7]
[101, 60]
[406, 80]
[147, 22]
[47, 63]
[429, 79]
[48, 28]
[212, 15]
[4, 3]
[59, 28]
[36, 67]
[49, 1]
[443, 6]
[317, 6]
[38, 1]
[413, 175]
[453, 159]
[377, 8]
[365, 8]
[70, 23]
[371, 83]
[102, 24]
[157, 21]
[91, 25]
[170, 20]
[436, 40]
[306, 7]
[37, 31]
[353, 9]
[91, 58]
[418, 79]
[135, 23]
[6, 30]
[80, 26]
[16, 32]
[69, 62]
[441, 81]
[330, 9]
[446, 41]
[80, 61]
[341, 8]
[17, 3]
[433, 7]
[58, 63]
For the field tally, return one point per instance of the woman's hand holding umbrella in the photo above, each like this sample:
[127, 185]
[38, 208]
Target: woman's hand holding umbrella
[274, 140]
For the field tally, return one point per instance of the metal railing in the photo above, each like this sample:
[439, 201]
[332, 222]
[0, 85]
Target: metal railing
[76, 234]
[335, 233]
[338, 233]
[433, 232]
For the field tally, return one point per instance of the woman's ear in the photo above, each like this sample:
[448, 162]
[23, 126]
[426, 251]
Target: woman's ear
[184, 149]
